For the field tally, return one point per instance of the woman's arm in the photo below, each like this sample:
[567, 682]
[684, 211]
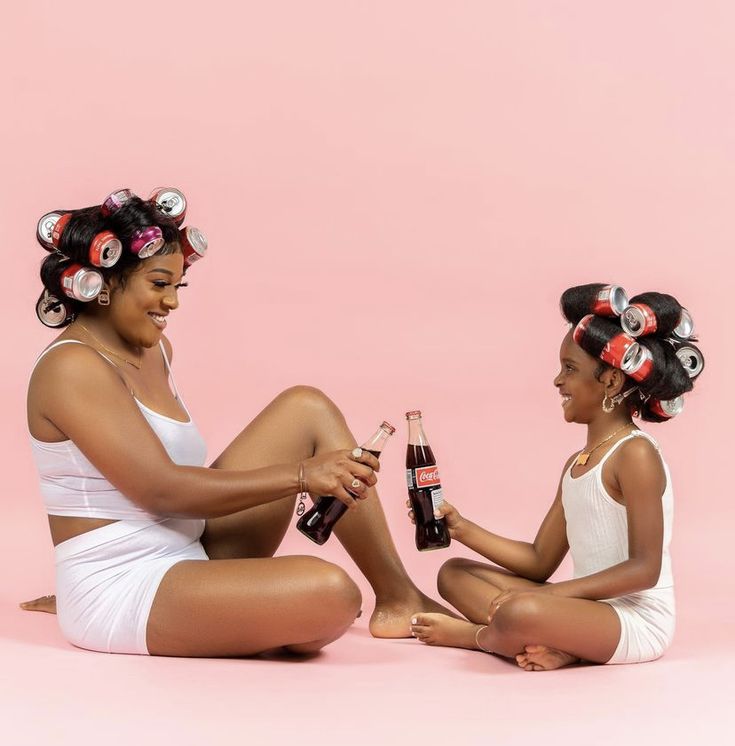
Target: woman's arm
[639, 472]
[537, 560]
[85, 398]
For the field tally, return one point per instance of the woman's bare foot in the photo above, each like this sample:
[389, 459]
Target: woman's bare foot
[541, 658]
[393, 618]
[440, 629]
[44, 603]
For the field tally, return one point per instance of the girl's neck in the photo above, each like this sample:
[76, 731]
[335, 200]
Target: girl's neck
[607, 424]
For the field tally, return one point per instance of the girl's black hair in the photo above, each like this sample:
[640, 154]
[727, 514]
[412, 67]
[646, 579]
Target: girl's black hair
[84, 225]
[669, 377]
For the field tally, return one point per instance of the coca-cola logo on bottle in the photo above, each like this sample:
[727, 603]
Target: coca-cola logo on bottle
[427, 476]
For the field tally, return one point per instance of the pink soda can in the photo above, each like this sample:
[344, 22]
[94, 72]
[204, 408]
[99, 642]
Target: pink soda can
[147, 241]
[113, 202]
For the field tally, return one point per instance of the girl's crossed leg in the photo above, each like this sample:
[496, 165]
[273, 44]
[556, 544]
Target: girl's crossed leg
[541, 631]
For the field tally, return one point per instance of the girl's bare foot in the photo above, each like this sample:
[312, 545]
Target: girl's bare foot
[440, 629]
[44, 603]
[541, 658]
[393, 618]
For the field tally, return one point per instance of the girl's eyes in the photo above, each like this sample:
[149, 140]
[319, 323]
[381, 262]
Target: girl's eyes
[569, 369]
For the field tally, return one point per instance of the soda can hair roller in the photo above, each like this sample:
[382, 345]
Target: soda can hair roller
[105, 249]
[147, 241]
[194, 244]
[638, 320]
[611, 300]
[691, 359]
[45, 229]
[51, 311]
[171, 202]
[667, 408]
[81, 283]
[113, 202]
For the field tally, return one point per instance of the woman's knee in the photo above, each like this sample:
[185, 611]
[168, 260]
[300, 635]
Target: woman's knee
[337, 592]
[308, 398]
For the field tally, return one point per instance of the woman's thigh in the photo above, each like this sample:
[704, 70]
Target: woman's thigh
[247, 606]
[291, 428]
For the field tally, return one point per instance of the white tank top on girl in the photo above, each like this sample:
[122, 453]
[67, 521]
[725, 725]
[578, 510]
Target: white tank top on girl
[597, 525]
[72, 486]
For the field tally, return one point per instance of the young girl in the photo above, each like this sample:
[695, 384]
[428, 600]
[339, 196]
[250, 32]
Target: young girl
[613, 507]
[156, 553]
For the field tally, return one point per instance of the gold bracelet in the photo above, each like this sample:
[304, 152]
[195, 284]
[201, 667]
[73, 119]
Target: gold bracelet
[477, 638]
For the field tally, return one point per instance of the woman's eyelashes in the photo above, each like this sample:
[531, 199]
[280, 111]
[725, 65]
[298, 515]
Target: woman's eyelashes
[164, 284]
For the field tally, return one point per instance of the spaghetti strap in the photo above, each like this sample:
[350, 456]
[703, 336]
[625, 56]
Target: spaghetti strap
[79, 342]
[171, 378]
[634, 434]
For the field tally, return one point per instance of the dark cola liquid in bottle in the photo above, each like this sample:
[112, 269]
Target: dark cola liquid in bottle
[318, 522]
[424, 488]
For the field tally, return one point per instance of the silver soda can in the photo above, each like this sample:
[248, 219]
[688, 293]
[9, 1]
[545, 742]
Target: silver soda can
[147, 241]
[638, 319]
[194, 244]
[105, 249]
[667, 408]
[685, 327]
[51, 311]
[81, 283]
[45, 229]
[171, 202]
[691, 359]
[113, 202]
[611, 300]
[637, 362]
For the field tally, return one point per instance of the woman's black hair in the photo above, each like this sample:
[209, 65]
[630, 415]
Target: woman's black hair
[669, 377]
[84, 225]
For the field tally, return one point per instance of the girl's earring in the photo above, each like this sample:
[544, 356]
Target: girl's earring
[607, 408]
[104, 297]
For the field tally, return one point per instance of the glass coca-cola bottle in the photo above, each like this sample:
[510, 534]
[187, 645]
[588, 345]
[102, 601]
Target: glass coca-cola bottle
[318, 522]
[424, 488]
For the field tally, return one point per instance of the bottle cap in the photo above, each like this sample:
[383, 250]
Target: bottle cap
[387, 427]
[413, 414]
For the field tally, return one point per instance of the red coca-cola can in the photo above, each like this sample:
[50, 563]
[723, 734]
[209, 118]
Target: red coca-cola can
[193, 243]
[616, 350]
[81, 283]
[611, 300]
[45, 228]
[105, 249]
[638, 320]
[171, 202]
[147, 241]
[113, 202]
[667, 408]
[637, 362]
[58, 229]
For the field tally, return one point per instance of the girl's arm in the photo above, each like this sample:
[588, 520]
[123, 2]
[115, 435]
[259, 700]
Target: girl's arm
[84, 397]
[536, 561]
[638, 471]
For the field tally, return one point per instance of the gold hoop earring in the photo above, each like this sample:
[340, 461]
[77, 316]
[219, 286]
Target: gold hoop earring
[104, 297]
[607, 408]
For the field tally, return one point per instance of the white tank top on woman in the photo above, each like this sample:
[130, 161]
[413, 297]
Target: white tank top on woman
[597, 525]
[72, 486]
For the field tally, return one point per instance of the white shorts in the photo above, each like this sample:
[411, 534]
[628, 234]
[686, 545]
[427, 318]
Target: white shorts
[647, 621]
[107, 578]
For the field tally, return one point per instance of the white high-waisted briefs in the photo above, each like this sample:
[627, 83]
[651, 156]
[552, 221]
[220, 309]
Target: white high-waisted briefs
[106, 579]
[647, 621]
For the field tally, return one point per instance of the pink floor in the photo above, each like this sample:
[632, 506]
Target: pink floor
[359, 690]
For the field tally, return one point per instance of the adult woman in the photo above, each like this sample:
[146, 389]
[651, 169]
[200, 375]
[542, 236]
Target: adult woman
[613, 507]
[156, 553]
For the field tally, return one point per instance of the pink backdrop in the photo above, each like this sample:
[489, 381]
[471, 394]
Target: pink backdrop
[396, 193]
